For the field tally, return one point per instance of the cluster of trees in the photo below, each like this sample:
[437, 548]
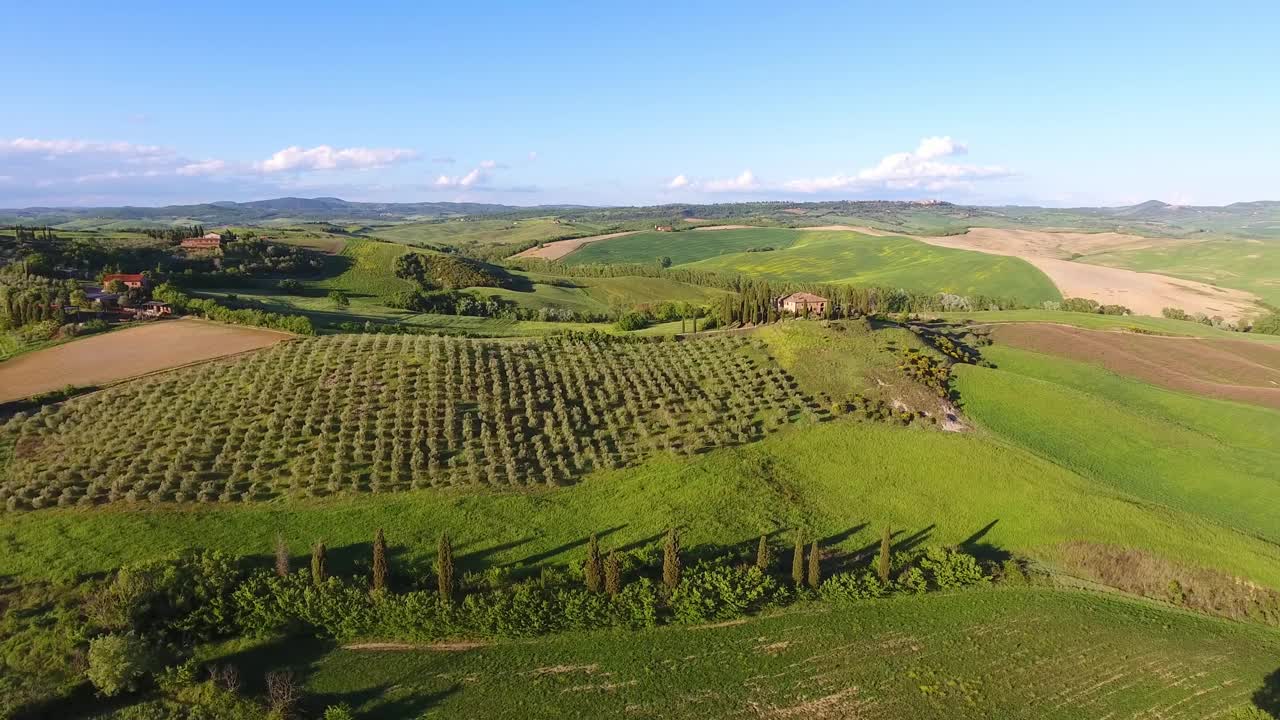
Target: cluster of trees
[756, 301]
[450, 272]
[1085, 305]
[381, 413]
[135, 631]
[29, 299]
[178, 233]
[1267, 325]
[208, 308]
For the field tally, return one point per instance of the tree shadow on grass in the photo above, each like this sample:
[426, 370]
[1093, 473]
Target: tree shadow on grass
[566, 547]
[1267, 697]
[981, 550]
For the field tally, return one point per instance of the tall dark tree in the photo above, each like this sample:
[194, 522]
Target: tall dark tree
[282, 556]
[762, 555]
[319, 564]
[612, 575]
[593, 569]
[671, 568]
[797, 561]
[381, 571]
[444, 567]
[815, 566]
[882, 567]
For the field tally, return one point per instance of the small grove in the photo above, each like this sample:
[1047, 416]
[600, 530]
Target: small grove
[140, 626]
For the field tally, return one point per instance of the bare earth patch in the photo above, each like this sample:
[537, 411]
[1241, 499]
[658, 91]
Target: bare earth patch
[1051, 252]
[725, 227]
[1226, 369]
[115, 356]
[560, 248]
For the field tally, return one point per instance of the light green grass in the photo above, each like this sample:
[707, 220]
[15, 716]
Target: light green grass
[480, 232]
[1251, 265]
[834, 257]
[1211, 457]
[681, 247]
[1035, 654]
[1090, 321]
[836, 479]
[370, 270]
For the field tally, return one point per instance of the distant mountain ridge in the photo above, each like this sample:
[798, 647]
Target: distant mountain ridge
[1244, 219]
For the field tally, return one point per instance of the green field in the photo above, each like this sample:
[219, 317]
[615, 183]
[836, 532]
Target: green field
[1034, 654]
[1210, 457]
[1092, 321]
[1252, 265]
[478, 232]
[832, 257]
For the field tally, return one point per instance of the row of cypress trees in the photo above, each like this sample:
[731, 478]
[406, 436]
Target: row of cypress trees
[601, 573]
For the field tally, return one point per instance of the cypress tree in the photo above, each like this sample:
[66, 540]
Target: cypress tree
[815, 567]
[797, 562]
[593, 570]
[612, 575]
[282, 556]
[444, 567]
[380, 569]
[319, 568]
[671, 560]
[883, 566]
[762, 555]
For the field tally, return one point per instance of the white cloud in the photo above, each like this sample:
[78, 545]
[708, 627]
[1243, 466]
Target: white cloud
[533, 155]
[923, 169]
[745, 181]
[64, 148]
[477, 177]
[325, 157]
[678, 182]
[488, 164]
[206, 167]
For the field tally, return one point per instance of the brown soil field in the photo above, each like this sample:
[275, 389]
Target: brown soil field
[560, 248]
[111, 357]
[1050, 251]
[1236, 370]
[724, 227]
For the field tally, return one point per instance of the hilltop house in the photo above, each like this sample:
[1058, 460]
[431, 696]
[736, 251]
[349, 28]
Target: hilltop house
[208, 241]
[662, 228]
[803, 304]
[132, 281]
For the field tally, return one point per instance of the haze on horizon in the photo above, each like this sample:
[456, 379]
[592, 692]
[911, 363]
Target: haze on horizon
[1080, 105]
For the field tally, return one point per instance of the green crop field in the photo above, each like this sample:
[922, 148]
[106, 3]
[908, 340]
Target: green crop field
[832, 256]
[1252, 265]
[473, 232]
[368, 269]
[1092, 321]
[1211, 457]
[682, 247]
[1032, 654]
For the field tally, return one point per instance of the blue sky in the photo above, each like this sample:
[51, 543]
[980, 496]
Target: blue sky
[640, 103]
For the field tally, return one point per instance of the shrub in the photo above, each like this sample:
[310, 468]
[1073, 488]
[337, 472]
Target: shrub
[718, 592]
[118, 663]
[848, 587]
[633, 321]
[341, 711]
[948, 568]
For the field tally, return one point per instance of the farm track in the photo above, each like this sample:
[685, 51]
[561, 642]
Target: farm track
[560, 248]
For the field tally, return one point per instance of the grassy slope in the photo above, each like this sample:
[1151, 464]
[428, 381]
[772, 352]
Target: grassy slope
[1214, 458]
[1006, 654]
[1241, 264]
[842, 257]
[681, 247]
[482, 232]
[844, 480]
[1162, 326]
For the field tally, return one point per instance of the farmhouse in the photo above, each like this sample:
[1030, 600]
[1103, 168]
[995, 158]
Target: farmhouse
[803, 304]
[208, 241]
[130, 280]
[153, 308]
[662, 228]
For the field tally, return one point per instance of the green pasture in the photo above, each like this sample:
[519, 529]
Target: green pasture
[1251, 265]
[1091, 321]
[460, 232]
[1030, 653]
[1214, 458]
[682, 247]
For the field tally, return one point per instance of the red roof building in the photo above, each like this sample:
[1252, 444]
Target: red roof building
[130, 280]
